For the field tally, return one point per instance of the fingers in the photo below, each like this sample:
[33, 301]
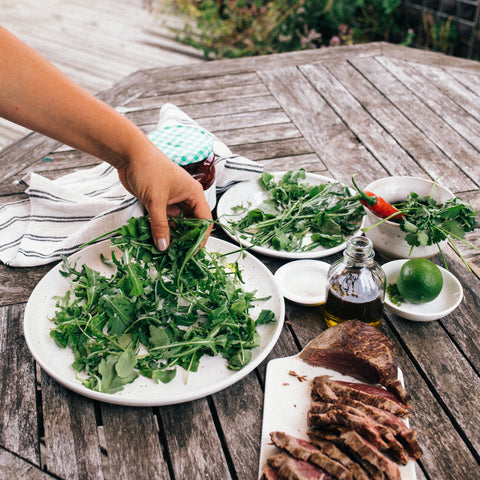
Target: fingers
[160, 228]
[165, 189]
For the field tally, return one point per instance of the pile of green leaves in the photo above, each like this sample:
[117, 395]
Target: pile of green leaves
[427, 222]
[295, 211]
[157, 311]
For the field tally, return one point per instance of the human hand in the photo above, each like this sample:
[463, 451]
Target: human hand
[165, 189]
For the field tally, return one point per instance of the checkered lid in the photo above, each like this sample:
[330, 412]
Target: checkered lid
[184, 144]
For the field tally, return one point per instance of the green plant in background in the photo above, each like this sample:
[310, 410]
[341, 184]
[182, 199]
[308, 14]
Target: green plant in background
[233, 28]
[439, 36]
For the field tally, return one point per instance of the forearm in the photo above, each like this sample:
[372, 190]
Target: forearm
[35, 94]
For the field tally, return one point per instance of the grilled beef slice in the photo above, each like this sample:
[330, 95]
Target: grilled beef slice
[326, 389]
[379, 435]
[403, 434]
[332, 451]
[269, 473]
[303, 450]
[371, 459]
[360, 350]
[289, 468]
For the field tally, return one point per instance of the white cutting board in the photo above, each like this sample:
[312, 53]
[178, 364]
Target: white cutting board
[287, 401]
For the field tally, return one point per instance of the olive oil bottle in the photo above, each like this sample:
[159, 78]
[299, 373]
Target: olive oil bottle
[355, 285]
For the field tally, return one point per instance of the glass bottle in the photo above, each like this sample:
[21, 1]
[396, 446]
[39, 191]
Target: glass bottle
[355, 285]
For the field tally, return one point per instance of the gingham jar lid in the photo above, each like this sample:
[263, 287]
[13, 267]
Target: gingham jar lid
[184, 144]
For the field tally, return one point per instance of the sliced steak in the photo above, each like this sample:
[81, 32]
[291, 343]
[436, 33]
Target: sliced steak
[358, 349]
[303, 450]
[401, 431]
[371, 459]
[289, 468]
[332, 451]
[346, 415]
[349, 420]
[269, 473]
[325, 389]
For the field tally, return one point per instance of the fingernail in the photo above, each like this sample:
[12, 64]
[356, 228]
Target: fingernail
[161, 244]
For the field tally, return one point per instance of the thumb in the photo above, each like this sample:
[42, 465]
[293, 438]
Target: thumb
[160, 229]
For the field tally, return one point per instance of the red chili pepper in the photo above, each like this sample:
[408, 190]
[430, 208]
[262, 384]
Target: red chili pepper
[377, 204]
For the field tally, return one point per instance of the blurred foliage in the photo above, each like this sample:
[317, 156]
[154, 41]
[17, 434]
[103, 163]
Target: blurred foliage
[235, 28]
[438, 36]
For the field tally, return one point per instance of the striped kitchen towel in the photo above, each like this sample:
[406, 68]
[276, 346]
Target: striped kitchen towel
[58, 216]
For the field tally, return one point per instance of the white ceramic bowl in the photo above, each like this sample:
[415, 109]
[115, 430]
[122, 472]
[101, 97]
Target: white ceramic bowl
[387, 238]
[447, 301]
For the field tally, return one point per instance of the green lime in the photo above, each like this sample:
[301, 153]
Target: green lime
[420, 280]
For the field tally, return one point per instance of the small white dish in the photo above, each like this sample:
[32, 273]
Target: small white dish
[303, 281]
[448, 300]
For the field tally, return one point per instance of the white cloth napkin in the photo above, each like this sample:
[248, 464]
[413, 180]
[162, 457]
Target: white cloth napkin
[60, 215]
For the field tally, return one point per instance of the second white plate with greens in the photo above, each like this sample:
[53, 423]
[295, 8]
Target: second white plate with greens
[251, 194]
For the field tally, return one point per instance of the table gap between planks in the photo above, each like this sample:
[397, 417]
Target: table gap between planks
[374, 110]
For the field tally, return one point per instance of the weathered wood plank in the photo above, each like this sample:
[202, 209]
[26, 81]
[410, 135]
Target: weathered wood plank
[433, 425]
[194, 446]
[19, 420]
[429, 57]
[18, 283]
[453, 84]
[13, 467]
[444, 106]
[365, 127]
[256, 134]
[461, 325]
[242, 430]
[309, 162]
[198, 96]
[420, 148]
[268, 150]
[71, 438]
[469, 80]
[448, 140]
[240, 120]
[164, 79]
[23, 153]
[132, 442]
[211, 110]
[324, 130]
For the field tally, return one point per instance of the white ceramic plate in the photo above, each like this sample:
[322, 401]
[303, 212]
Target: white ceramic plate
[287, 401]
[448, 300]
[212, 375]
[303, 281]
[250, 193]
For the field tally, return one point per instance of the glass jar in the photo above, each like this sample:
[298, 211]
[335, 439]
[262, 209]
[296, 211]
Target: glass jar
[191, 147]
[355, 285]
[204, 172]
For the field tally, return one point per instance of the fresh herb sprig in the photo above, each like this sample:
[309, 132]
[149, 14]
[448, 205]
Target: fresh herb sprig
[296, 211]
[158, 311]
[428, 222]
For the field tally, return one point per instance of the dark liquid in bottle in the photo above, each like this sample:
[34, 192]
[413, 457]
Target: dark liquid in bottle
[347, 303]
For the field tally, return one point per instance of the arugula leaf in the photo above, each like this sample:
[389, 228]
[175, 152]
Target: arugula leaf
[157, 311]
[298, 216]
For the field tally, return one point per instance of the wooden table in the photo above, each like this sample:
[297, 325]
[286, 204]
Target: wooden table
[374, 110]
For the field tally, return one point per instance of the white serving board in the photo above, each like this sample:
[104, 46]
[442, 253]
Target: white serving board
[287, 401]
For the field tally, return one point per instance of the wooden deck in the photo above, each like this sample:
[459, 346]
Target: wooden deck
[95, 43]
